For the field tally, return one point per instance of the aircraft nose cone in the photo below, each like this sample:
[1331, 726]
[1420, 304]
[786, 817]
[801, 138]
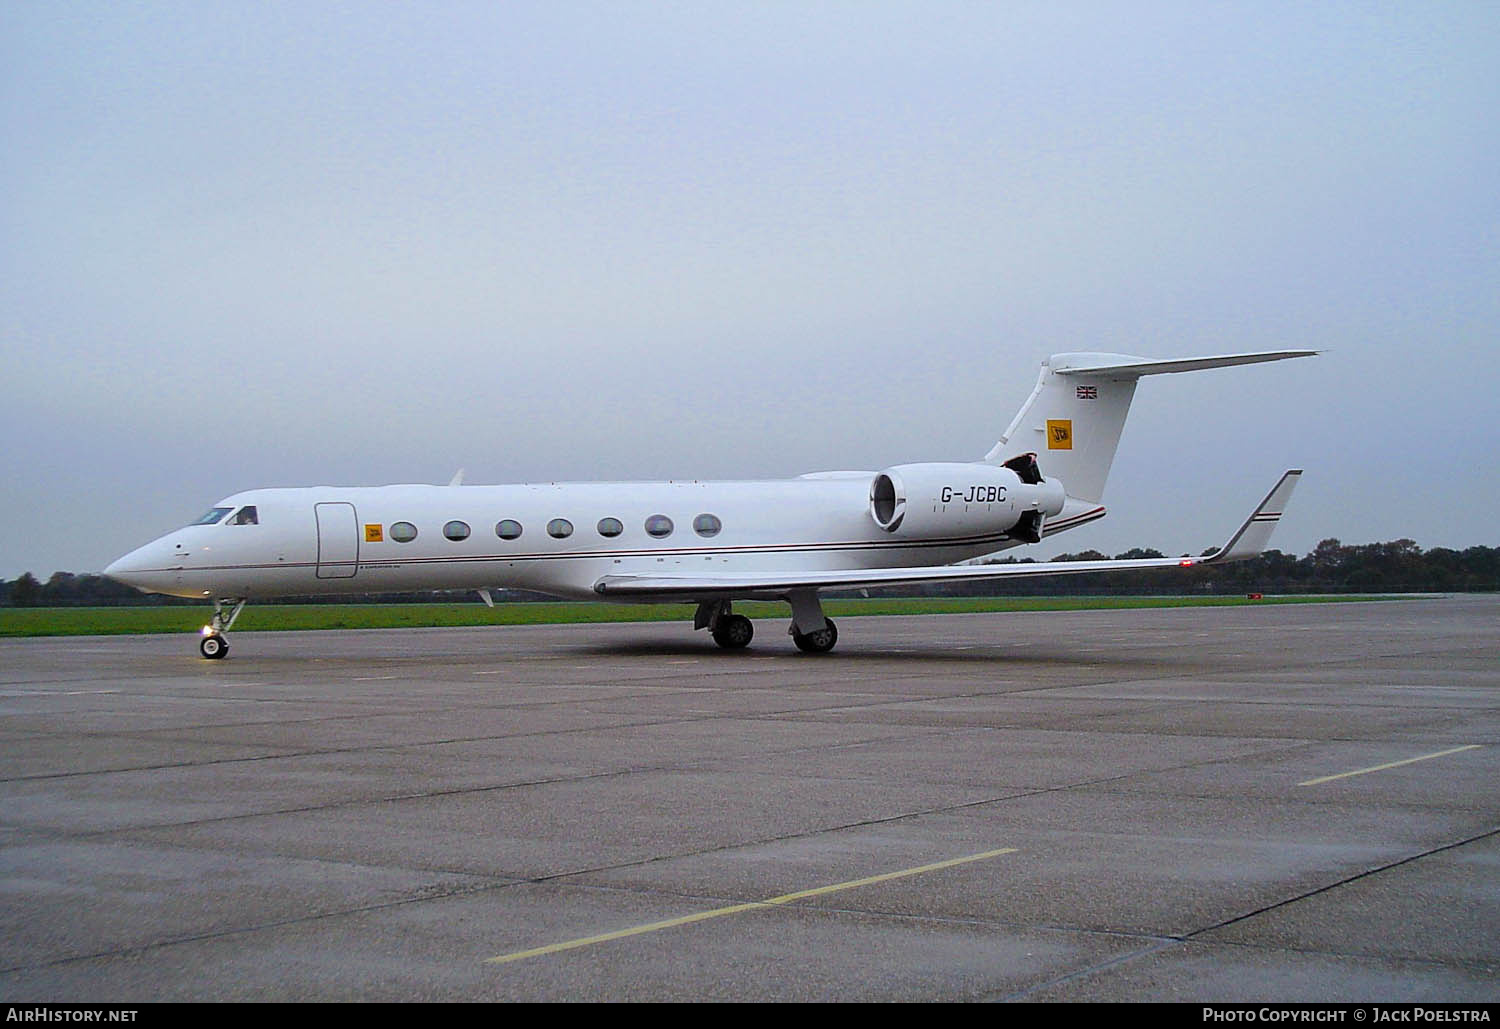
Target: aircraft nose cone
[127, 570]
[159, 567]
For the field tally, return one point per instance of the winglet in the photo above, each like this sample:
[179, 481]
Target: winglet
[1253, 536]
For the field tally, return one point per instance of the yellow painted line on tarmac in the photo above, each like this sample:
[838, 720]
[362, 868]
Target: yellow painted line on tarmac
[1392, 764]
[734, 909]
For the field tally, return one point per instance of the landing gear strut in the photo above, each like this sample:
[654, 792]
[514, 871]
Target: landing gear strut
[213, 645]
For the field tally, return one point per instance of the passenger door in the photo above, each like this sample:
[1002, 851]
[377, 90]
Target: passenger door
[338, 541]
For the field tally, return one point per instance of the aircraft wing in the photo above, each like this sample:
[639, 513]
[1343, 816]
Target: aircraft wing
[1249, 540]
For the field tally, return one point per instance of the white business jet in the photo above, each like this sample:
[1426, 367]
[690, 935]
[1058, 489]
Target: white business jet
[709, 543]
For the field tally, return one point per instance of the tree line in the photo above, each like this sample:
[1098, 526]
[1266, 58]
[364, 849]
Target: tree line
[1399, 566]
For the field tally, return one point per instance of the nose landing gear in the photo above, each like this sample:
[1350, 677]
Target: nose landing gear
[213, 645]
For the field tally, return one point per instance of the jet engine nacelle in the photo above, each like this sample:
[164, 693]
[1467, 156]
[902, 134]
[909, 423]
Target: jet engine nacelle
[937, 501]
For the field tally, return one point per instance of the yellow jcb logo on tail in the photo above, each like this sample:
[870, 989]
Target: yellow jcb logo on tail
[1059, 434]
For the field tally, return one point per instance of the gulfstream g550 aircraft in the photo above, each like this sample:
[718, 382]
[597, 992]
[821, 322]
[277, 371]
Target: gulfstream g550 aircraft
[709, 543]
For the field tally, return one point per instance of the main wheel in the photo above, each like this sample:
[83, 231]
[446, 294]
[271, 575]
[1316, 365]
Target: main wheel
[734, 632]
[213, 646]
[820, 641]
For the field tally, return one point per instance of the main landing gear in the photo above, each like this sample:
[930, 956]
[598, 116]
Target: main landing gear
[213, 645]
[819, 641]
[813, 633]
[733, 632]
[729, 630]
[810, 630]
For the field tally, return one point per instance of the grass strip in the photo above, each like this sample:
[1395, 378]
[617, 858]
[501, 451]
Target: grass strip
[115, 621]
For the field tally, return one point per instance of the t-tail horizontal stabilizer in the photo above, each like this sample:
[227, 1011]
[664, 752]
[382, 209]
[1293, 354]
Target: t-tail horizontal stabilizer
[1118, 366]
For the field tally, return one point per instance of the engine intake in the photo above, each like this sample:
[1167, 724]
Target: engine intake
[940, 500]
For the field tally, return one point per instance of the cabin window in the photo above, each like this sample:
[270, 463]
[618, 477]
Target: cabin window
[611, 527]
[659, 526]
[559, 528]
[456, 531]
[707, 525]
[403, 532]
[212, 516]
[509, 529]
[245, 516]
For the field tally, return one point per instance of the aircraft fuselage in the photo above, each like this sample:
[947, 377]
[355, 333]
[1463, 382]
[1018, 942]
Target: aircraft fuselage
[563, 537]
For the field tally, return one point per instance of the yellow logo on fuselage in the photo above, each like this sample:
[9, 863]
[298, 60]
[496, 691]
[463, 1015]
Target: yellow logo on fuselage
[1059, 434]
[374, 533]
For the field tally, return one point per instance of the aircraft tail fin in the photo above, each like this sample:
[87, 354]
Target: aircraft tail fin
[1074, 417]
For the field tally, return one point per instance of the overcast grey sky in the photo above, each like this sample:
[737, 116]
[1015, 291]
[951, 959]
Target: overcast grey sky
[289, 244]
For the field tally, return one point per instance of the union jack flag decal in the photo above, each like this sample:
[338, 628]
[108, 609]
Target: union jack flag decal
[1088, 392]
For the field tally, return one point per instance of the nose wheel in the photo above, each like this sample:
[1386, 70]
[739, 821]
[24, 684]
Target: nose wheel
[213, 645]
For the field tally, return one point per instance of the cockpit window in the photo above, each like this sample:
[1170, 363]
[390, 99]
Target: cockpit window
[211, 517]
[245, 516]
